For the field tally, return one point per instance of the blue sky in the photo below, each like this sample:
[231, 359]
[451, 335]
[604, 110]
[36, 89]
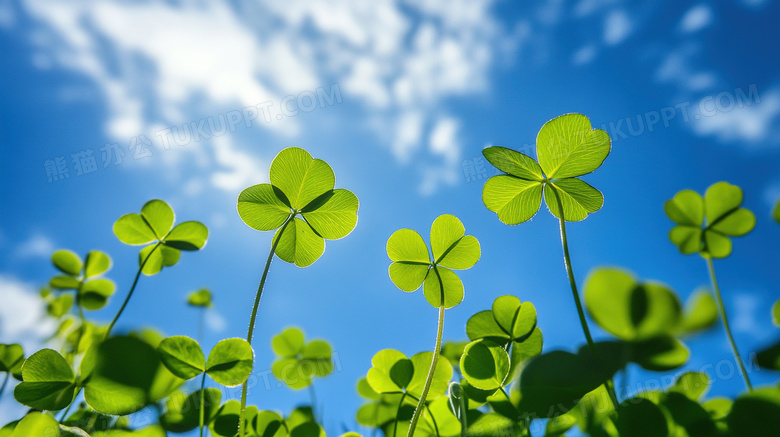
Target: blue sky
[400, 98]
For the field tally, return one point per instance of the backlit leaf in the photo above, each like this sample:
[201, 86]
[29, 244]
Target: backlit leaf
[567, 146]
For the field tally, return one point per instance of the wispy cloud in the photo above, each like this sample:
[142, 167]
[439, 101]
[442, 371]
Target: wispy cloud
[755, 125]
[155, 65]
[37, 246]
[696, 19]
[617, 27]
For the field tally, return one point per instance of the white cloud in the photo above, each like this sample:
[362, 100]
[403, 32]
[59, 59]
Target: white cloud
[23, 317]
[585, 55]
[215, 322]
[757, 123]
[7, 15]
[696, 19]
[161, 64]
[444, 143]
[617, 27]
[238, 169]
[38, 245]
[23, 320]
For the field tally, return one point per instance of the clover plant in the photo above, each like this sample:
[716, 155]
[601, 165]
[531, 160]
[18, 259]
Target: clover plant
[567, 147]
[303, 207]
[704, 225]
[229, 363]
[299, 362]
[153, 228]
[414, 265]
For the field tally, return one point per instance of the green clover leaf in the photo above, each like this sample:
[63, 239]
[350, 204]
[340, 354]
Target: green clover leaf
[300, 361]
[155, 225]
[48, 381]
[301, 204]
[91, 293]
[567, 147]
[125, 376]
[414, 266]
[200, 298]
[485, 365]
[511, 324]
[628, 309]
[182, 411]
[229, 362]
[558, 379]
[724, 218]
[393, 373]
[11, 359]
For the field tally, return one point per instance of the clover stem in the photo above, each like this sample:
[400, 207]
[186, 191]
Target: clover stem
[570, 272]
[398, 412]
[202, 400]
[81, 318]
[726, 322]
[429, 379]
[433, 419]
[313, 400]
[464, 424]
[65, 413]
[132, 288]
[242, 411]
[5, 382]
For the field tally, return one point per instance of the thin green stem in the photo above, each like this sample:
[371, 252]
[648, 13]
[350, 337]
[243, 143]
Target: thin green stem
[202, 401]
[65, 413]
[726, 323]
[397, 413]
[433, 419]
[132, 288]
[313, 400]
[251, 330]
[464, 424]
[429, 380]
[5, 382]
[570, 272]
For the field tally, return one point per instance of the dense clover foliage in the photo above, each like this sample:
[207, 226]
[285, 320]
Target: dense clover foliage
[498, 382]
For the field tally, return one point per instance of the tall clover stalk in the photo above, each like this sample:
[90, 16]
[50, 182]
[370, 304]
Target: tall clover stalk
[304, 208]
[704, 225]
[567, 147]
[414, 266]
[153, 228]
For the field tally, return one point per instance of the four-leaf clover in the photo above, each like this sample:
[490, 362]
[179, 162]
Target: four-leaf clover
[413, 264]
[301, 203]
[724, 218]
[155, 225]
[567, 147]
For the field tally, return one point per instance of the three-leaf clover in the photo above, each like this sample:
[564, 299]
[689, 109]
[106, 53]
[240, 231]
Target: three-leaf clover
[300, 361]
[567, 147]
[413, 264]
[512, 325]
[229, 362]
[393, 373]
[302, 204]
[645, 315]
[720, 206]
[92, 293]
[155, 225]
